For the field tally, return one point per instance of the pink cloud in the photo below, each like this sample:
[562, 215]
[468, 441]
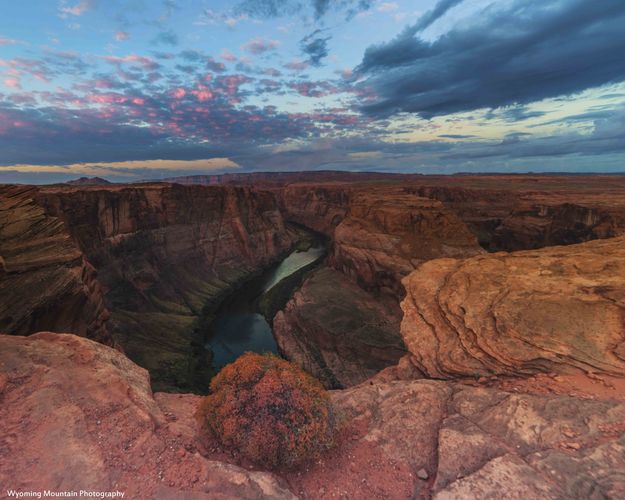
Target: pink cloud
[7, 41]
[202, 93]
[260, 45]
[120, 36]
[297, 65]
[103, 83]
[145, 62]
[226, 55]
[13, 83]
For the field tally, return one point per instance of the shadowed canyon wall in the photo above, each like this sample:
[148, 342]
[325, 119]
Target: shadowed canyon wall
[380, 234]
[522, 220]
[45, 281]
[164, 254]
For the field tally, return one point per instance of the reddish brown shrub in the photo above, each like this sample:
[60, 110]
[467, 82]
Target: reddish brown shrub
[269, 410]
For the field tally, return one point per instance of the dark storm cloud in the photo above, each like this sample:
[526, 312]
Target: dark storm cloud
[277, 8]
[525, 52]
[435, 14]
[315, 47]
[457, 136]
[514, 114]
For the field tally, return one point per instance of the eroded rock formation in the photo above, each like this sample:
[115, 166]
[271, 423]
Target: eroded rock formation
[343, 333]
[45, 281]
[556, 309]
[527, 212]
[164, 254]
[387, 234]
[400, 439]
[337, 332]
[379, 233]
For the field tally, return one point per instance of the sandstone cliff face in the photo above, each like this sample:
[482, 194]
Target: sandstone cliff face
[511, 220]
[45, 281]
[556, 309]
[401, 439]
[505, 212]
[380, 233]
[164, 254]
[385, 236]
[337, 332]
[319, 207]
[549, 225]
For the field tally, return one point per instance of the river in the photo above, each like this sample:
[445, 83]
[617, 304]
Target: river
[239, 326]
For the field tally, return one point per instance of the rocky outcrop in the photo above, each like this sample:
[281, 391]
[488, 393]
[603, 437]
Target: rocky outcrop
[45, 281]
[342, 333]
[77, 415]
[164, 255]
[385, 236]
[399, 439]
[444, 440]
[557, 309]
[337, 332]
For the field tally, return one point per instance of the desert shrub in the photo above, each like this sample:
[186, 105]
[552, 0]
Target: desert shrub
[271, 411]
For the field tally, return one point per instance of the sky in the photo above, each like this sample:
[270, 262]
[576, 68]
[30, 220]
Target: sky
[148, 89]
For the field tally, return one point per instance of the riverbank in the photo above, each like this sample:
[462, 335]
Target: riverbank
[243, 320]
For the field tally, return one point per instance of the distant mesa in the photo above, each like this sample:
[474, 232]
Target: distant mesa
[88, 181]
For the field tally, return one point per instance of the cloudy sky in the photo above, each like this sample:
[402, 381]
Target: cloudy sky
[139, 89]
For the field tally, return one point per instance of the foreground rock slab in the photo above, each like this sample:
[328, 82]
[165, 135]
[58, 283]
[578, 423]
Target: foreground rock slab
[79, 415]
[556, 309]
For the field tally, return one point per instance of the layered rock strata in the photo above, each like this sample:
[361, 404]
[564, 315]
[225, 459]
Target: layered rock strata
[45, 281]
[557, 309]
[158, 257]
[166, 255]
[380, 233]
[385, 236]
[337, 332]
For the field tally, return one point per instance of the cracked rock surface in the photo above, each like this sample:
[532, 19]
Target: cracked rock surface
[471, 442]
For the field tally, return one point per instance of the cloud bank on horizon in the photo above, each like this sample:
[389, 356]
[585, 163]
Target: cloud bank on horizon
[138, 89]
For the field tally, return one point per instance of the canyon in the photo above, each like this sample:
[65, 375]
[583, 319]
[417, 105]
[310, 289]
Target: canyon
[471, 329]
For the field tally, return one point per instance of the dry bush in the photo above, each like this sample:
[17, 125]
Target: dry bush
[268, 409]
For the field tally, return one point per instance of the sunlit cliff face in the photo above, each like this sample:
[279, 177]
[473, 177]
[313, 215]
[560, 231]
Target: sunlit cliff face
[132, 89]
